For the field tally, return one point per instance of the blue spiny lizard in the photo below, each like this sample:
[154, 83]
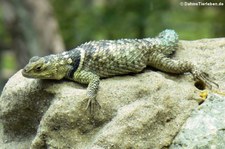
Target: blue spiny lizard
[91, 61]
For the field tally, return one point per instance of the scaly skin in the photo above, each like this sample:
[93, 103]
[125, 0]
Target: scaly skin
[91, 61]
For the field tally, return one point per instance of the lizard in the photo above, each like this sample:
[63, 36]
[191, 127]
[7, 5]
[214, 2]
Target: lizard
[94, 60]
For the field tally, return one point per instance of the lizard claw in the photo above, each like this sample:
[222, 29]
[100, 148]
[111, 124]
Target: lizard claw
[92, 105]
[204, 78]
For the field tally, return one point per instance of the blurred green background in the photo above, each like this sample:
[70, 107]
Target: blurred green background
[29, 28]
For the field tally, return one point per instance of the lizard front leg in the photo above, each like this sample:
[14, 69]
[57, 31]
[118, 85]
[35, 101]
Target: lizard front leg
[92, 80]
[166, 64]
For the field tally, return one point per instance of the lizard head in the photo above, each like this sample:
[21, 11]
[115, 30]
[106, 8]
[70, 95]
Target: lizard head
[47, 67]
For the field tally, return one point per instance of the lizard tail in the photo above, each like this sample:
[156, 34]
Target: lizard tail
[169, 39]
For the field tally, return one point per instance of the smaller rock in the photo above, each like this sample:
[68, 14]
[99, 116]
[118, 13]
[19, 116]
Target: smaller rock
[205, 128]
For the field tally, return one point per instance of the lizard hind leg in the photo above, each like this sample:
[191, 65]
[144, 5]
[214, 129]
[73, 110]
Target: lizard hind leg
[166, 64]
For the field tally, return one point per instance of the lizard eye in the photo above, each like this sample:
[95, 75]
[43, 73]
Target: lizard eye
[38, 68]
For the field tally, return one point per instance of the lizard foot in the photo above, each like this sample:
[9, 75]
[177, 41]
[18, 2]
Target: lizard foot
[92, 105]
[204, 78]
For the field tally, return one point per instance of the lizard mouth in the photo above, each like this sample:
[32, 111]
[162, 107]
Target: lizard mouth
[28, 74]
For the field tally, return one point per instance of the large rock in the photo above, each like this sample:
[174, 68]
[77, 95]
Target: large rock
[145, 110]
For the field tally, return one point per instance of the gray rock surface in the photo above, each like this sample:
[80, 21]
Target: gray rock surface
[142, 111]
[205, 128]
[145, 110]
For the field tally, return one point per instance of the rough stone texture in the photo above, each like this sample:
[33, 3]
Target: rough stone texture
[137, 111]
[144, 110]
[205, 128]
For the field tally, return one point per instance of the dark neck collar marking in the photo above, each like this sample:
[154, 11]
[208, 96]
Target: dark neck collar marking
[75, 64]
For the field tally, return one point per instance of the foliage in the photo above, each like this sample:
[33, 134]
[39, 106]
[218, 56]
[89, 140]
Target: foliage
[4, 36]
[81, 21]
[92, 20]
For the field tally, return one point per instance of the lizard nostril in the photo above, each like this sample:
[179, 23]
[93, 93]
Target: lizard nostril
[25, 70]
